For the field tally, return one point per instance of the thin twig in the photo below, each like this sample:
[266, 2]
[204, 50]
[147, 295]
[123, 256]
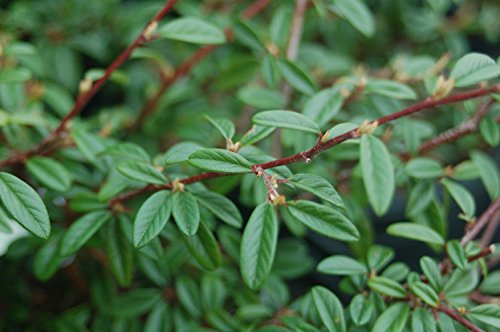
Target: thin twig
[85, 95]
[455, 315]
[491, 229]
[481, 222]
[319, 147]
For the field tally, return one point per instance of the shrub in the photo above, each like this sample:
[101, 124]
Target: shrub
[189, 184]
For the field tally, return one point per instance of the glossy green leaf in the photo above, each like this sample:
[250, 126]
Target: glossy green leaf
[318, 186]
[457, 254]
[393, 319]
[474, 68]
[489, 131]
[361, 309]
[140, 171]
[425, 293]
[219, 160]
[261, 98]
[391, 89]
[487, 313]
[82, 230]
[120, 252]
[415, 232]
[357, 13]
[221, 207]
[491, 284]
[24, 205]
[396, 271]
[286, 119]
[329, 309]
[297, 77]
[258, 245]
[462, 197]
[378, 173]
[323, 220]
[192, 30]
[432, 272]
[387, 287]
[341, 265]
[379, 256]
[204, 248]
[224, 126]
[50, 173]
[180, 152]
[14, 75]
[424, 168]
[422, 320]
[489, 173]
[152, 217]
[323, 106]
[186, 213]
[256, 134]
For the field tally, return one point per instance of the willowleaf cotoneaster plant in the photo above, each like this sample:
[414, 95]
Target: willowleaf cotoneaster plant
[257, 165]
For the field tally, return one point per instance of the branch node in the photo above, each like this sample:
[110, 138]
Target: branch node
[367, 127]
[177, 186]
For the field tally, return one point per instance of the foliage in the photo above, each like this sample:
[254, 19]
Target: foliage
[170, 165]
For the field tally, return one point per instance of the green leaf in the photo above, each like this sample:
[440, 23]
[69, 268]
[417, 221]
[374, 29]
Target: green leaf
[14, 75]
[258, 245]
[457, 254]
[421, 196]
[462, 196]
[357, 13]
[297, 77]
[391, 89]
[127, 151]
[474, 68]
[189, 295]
[324, 220]
[256, 134]
[82, 230]
[415, 232]
[261, 98]
[219, 160]
[204, 248]
[159, 318]
[378, 173]
[432, 272]
[487, 313]
[286, 119]
[379, 256]
[491, 284]
[387, 287]
[24, 205]
[489, 131]
[192, 30]
[361, 309]
[141, 172]
[221, 207]
[186, 212]
[424, 168]
[119, 252]
[180, 152]
[329, 308]
[47, 260]
[393, 319]
[341, 265]
[323, 106]
[50, 173]
[425, 293]
[224, 126]
[488, 172]
[422, 321]
[318, 186]
[152, 217]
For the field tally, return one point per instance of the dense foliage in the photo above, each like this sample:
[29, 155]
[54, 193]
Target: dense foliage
[171, 165]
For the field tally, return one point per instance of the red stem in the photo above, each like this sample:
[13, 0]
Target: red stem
[452, 313]
[481, 222]
[483, 253]
[254, 9]
[319, 147]
[83, 98]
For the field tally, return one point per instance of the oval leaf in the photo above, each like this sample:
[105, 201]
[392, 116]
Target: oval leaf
[219, 160]
[323, 220]
[141, 172]
[186, 212]
[258, 245]
[474, 68]
[457, 254]
[24, 205]
[204, 248]
[341, 265]
[329, 309]
[49, 173]
[391, 89]
[378, 173]
[393, 319]
[387, 287]
[286, 119]
[318, 186]
[192, 30]
[415, 232]
[221, 207]
[152, 217]
[361, 309]
[425, 293]
[357, 13]
[462, 196]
